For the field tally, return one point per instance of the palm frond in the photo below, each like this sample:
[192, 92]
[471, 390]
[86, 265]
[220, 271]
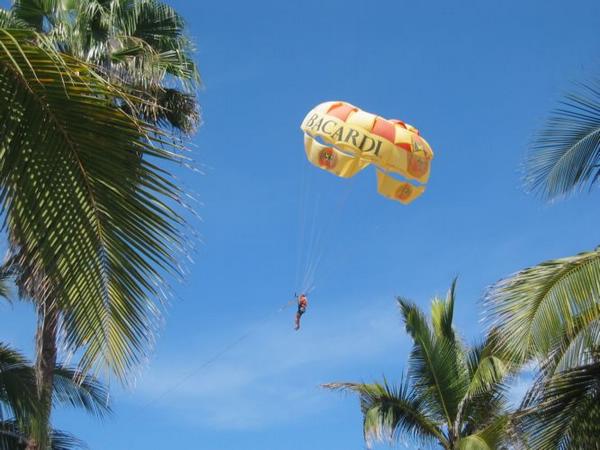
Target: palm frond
[9, 20]
[562, 411]
[486, 368]
[18, 392]
[159, 25]
[485, 395]
[73, 388]
[392, 411]
[434, 363]
[442, 314]
[537, 307]
[60, 440]
[35, 13]
[473, 442]
[488, 437]
[566, 154]
[88, 209]
[6, 279]
[12, 437]
[143, 39]
[573, 348]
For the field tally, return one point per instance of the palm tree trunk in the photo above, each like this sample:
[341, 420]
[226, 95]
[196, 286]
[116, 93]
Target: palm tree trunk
[44, 368]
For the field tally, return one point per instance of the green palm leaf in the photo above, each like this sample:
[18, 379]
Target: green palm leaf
[566, 155]
[442, 314]
[392, 411]
[20, 404]
[434, 361]
[73, 388]
[542, 305]
[18, 393]
[562, 411]
[89, 213]
[59, 440]
[12, 437]
[486, 367]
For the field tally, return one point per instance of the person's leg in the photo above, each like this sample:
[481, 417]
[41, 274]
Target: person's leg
[298, 316]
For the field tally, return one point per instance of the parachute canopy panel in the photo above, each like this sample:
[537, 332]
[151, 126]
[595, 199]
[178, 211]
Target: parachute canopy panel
[342, 139]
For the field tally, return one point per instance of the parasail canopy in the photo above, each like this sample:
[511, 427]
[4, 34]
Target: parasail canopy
[342, 139]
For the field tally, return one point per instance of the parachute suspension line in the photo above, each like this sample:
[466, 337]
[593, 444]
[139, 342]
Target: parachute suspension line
[301, 221]
[326, 241]
[314, 233]
[309, 229]
[227, 348]
[322, 241]
[316, 252]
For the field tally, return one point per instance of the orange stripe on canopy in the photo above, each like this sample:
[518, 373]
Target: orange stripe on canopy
[341, 111]
[384, 129]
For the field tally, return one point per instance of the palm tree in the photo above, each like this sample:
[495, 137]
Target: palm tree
[19, 403]
[141, 44]
[550, 313]
[453, 396]
[89, 208]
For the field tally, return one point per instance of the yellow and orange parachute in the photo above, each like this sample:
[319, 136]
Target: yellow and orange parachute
[342, 139]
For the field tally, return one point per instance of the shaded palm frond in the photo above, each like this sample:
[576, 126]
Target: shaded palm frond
[13, 437]
[9, 20]
[566, 154]
[177, 109]
[18, 391]
[20, 404]
[37, 14]
[73, 388]
[60, 440]
[6, 279]
[562, 411]
[573, 348]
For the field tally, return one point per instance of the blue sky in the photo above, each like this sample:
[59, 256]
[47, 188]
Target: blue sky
[477, 78]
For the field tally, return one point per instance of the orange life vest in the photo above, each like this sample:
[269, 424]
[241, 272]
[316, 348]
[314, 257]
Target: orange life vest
[302, 301]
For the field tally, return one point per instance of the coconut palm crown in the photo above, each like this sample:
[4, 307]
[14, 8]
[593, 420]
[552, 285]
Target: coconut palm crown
[452, 397]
